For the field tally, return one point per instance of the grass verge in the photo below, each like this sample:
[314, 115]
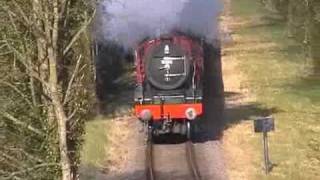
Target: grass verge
[276, 74]
[96, 143]
[105, 148]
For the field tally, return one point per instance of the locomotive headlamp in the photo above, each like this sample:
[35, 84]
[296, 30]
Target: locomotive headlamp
[191, 114]
[146, 115]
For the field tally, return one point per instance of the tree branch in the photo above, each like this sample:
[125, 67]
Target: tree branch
[22, 13]
[12, 175]
[71, 80]
[21, 123]
[24, 152]
[21, 59]
[79, 32]
[13, 87]
[55, 26]
[72, 114]
[5, 53]
[26, 21]
[13, 161]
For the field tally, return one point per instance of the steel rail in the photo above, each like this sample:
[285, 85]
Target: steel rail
[192, 163]
[149, 161]
[190, 157]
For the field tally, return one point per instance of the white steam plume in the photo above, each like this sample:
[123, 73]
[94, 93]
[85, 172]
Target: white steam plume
[127, 22]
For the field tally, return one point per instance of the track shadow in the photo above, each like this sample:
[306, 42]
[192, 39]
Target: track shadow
[169, 139]
[210, 125]
[234, 114]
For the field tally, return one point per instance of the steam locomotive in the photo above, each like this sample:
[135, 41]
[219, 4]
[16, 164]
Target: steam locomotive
[169, 77]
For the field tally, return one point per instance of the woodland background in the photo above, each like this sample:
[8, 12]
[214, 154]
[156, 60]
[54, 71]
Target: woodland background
[47, 86]
[303, 24]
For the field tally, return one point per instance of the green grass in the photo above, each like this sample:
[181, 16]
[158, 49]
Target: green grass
[278, 79]
[95, 143]
[94, 152]
[246, 8]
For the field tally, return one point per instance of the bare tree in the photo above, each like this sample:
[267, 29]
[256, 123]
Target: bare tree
[45, 43]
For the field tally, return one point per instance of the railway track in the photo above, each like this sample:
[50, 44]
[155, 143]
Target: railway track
[149, 161]
[189, 156]
[192, 163]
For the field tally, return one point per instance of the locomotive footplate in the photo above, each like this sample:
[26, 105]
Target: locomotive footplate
[175, 112]
[170, 118]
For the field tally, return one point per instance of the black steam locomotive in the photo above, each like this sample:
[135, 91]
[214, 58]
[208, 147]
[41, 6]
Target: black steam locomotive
[169, 75]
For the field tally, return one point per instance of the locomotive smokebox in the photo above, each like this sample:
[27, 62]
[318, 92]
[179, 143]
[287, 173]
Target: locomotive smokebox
[167, 65]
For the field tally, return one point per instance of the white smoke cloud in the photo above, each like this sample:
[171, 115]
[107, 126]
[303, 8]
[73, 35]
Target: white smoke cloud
[129, 21]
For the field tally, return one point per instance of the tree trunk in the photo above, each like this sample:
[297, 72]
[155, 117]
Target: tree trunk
[313, 30]
[290, 18]
[60, 115]
[315, 46]
[271, 5]
[55, 91]
[45, 37]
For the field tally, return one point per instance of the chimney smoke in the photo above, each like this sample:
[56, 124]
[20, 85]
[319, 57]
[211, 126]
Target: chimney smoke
[127, 22]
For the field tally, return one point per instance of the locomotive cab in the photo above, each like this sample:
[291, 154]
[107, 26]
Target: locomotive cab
[168, 94]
